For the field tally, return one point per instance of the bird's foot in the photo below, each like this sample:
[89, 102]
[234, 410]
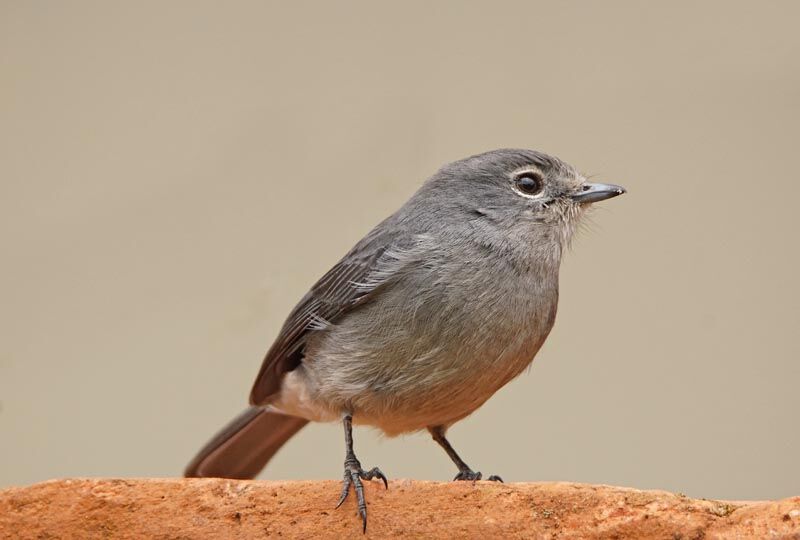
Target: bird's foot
[353, 474]
[471, 476]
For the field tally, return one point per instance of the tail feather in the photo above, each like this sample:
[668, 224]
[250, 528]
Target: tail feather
[243, 447]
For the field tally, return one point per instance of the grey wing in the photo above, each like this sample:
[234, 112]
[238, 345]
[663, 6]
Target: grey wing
[370, 265]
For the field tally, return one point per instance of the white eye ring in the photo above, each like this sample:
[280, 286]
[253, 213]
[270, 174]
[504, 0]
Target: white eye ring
[529, 184]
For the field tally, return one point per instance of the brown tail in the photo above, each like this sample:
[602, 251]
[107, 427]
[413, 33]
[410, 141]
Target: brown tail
[245, 445]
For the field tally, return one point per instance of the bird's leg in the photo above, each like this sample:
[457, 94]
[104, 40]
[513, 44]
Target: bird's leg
[464, 472]
[353, 473]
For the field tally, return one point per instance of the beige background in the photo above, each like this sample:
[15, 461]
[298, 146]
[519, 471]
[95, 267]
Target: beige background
[174, 175]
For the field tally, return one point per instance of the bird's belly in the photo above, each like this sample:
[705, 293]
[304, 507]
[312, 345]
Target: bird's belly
[440, 398]
[404, 364]
[402, 391]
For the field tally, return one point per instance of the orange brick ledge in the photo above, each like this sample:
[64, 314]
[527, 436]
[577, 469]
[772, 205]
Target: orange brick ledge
[217, 508]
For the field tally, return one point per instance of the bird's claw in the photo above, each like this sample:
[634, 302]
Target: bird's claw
[353, 474]
[468, 476]
[472, 476]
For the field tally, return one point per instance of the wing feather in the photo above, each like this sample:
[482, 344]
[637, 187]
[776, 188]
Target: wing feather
[373, 263]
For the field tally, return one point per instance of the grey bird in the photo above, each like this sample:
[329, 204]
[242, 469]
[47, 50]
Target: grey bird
[433, 311]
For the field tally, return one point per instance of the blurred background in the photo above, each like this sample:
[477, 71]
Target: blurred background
[175, 175]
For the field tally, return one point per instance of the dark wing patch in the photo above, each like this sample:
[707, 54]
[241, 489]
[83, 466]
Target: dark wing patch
[349, 283]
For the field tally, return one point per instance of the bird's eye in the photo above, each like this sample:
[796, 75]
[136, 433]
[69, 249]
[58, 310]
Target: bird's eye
[528, 183]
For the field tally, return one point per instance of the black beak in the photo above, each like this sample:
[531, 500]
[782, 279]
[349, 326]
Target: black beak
[591, 193]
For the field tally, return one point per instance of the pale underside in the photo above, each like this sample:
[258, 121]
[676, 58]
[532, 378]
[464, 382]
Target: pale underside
[429, 352]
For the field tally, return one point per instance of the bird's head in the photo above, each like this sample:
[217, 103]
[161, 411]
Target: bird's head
[515, 198]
